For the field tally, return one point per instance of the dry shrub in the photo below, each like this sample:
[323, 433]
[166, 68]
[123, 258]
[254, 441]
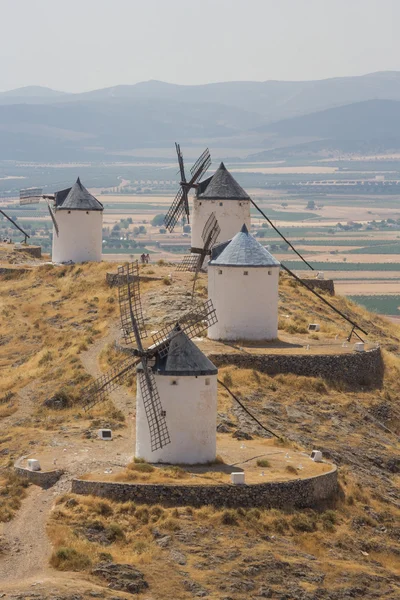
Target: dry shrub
[69, 559]
[291, 469]
[263, 462]
[141, 467]
[229, 517]
[304, 522]
[12, 491]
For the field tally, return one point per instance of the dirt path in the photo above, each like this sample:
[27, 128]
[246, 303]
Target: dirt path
[24, 542]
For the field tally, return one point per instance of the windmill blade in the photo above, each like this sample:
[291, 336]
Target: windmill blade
[30, 195]
[175, 211]
[188, 263]
[200, 166]
[180, 162]
[194, 323]
[132, 321]
[211, 231]
[99, 390]
[159, 436]
[209, 235]
[53, 218]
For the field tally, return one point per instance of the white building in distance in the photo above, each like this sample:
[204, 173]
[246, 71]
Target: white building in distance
[79, 218]
[243, 279]
[220, 194]
[186, 381]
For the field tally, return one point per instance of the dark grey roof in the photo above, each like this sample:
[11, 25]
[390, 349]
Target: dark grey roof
[183, 358]
[61, 195]
[79, 198]
[222, 186]
[242, 251]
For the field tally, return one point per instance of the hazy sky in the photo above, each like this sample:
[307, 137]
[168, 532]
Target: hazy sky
[77, 45]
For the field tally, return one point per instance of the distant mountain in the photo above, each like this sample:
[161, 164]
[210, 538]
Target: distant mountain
[354, 111]
[117, 125]
[32, 94]
[371, 126]
[272, 100]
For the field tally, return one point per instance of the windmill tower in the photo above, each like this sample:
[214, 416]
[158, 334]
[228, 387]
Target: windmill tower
[222, 195]
[77, 226]
[187, 384]
[176, 384]
[77, 222]
[243, 280]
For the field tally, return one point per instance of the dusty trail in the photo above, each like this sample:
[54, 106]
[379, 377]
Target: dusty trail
[26, 543]
[24, 546]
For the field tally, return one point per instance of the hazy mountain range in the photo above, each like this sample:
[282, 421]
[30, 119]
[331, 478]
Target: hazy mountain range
[305, 118]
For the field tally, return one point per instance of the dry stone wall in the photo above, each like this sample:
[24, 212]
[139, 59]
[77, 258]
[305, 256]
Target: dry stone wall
[326, 285]
[34, 251]
[297, 493]
[363, 369]
[44, 479]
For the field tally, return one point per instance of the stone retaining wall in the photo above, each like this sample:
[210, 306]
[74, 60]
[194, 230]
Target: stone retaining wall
[355, 368]
[35, 251]
[114, 279]
[44, 479]
[326, 285]
[297, 493]
[11, 272]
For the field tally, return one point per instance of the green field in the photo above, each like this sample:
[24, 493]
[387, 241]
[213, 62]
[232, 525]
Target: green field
[384, 305]
[342, 266]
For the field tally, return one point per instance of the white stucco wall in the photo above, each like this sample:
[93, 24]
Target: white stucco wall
[80, 236]
[191, 408]
[230, 214]
[246, 305]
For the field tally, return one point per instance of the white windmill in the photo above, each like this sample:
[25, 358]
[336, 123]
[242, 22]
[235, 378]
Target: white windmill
[220, 195]
[176, 409]
[77, 222]
[243, 280]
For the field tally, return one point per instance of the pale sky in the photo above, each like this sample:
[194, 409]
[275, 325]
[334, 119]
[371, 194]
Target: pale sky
[79, 45]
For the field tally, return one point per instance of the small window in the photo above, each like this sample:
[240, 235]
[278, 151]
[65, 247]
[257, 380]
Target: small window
[174, 382]
[87, 212]
[199, 203]
[269, 272]
[69, 212]
[221, 203]
[245, 272]
[207, 381]
[219, 272]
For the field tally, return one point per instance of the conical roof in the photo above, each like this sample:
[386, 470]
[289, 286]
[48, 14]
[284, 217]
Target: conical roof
[242, 251]
[183, 358]
[222, 186]
[79, 198]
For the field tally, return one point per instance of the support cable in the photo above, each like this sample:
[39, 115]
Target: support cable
[355, 326]
[281, 234]
[247, 411]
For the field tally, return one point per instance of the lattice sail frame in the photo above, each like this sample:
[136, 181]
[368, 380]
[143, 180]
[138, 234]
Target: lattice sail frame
[181, 202]
[130, 303]
[194, 323]
[188, 263]
[159, 435]
[99, 390]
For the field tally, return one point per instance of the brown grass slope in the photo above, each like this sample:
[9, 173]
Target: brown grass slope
[349, 550]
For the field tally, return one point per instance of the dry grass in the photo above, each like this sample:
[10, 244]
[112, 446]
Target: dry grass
[12, 491]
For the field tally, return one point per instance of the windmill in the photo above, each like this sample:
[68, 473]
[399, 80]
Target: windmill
[75, 213]
[192, 324]
[194, 262]
[180, 204]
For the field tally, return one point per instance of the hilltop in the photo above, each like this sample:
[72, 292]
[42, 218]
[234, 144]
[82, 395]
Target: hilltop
[57, 331]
